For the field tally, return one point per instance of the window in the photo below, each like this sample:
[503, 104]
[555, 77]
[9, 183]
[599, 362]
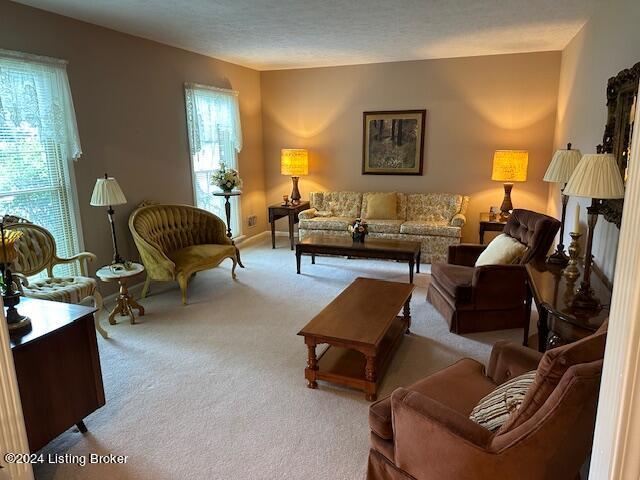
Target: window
[215, 138]
[38, 139]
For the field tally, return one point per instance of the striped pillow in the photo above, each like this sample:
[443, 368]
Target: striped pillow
[494, 409]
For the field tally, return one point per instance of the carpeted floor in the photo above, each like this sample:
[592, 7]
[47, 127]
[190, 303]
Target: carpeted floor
[216, 390]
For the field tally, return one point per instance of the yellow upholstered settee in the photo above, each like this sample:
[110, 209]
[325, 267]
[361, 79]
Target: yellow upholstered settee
[176, 241]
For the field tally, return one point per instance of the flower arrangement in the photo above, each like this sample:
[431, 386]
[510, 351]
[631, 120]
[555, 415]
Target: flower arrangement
[359, 230]
[226, 178]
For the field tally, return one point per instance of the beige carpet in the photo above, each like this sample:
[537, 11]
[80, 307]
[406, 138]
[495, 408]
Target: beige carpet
[216, 390]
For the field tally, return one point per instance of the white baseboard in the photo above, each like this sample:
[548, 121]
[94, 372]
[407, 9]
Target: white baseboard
[245, 241]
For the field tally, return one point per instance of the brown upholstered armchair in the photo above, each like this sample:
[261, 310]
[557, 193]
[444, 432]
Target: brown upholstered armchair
[423, 432]
[490, 297]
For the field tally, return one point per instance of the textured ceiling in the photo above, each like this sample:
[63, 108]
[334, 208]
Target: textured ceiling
[276, 34]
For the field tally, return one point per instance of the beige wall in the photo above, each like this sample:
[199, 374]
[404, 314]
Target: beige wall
[475, 105]
[608, 43]
[129, 100]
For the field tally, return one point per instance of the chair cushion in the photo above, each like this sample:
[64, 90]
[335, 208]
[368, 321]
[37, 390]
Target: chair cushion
[64, 289]
[459, 386]
[384, 226]
[423, 227]
[494, 409]
[551, 369]
[455, 280]
[198, 257]
[502, 250]
[326, 223]
[381, 206]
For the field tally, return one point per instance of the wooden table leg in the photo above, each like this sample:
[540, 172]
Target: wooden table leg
[273, 231]
[370, 376]
[312, 366]
[543, 328]
[298, 260]
[406, 313]
[411, 267]
[418, 256]
[481, 234]
[313, 259]
[81, 426]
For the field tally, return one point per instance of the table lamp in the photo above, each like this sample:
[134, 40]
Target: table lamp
[562, 165]
[295, 163]
[509, 166]
[107, 193]
[598, 177]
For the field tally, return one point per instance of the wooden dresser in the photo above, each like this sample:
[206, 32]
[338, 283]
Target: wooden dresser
[58, 369]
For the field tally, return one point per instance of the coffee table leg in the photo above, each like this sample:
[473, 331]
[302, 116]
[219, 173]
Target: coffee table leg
[406, 313]
[298, 259]
[418, 262]
[312, 366]
[370, 376]
[313, 259]
[411, 265]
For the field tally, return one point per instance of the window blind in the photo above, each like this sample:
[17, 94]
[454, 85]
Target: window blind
[38, 138]
[215, 138]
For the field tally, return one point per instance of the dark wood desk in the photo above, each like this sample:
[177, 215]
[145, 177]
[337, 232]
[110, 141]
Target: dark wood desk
[559, 323]
[280, 211]
[490, 223]
[58, 369]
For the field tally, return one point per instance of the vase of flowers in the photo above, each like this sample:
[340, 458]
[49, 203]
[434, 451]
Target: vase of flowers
[226, 178]
[359, 230]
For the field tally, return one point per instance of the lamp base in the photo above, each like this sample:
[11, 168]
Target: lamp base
[507, 206]
[559, 257]
[585, 298]
[295, 193]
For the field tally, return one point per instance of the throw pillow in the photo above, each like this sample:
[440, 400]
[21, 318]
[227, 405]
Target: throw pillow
[502, 250]
[494, 409]
[382, 206]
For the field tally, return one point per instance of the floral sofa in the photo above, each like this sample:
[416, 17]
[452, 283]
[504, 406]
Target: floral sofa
[434, 219]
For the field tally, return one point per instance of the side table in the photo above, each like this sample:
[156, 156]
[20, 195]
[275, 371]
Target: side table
[227, 211]
[490, 223]
[280, 211]
[124, 302]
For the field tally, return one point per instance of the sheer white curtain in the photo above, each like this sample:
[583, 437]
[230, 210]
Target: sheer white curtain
[38, 139]
[215, 138]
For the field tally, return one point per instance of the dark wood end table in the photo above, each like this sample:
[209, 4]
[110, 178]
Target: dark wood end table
[559, 323]
[362, 328]
[490, 222]
[280, 211]
[400, 250]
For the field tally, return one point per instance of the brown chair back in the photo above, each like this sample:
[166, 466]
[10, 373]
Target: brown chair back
[535, 230]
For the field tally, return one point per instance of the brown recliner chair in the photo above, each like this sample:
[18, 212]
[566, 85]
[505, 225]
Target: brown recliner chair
[423, 432]
[490, 297]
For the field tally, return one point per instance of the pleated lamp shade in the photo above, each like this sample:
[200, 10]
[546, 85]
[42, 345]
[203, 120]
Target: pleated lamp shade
[107, 192]
[596, 176]
[562, 165]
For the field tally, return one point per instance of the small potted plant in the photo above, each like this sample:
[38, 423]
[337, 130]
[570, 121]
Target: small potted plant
[359, 230]
[226, 178]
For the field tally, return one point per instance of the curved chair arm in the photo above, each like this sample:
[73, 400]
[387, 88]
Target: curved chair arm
[509, 359]
[458, 220]
[464, 254]
[81, 258]
[220, 236]
[156, 262]
[308, 213]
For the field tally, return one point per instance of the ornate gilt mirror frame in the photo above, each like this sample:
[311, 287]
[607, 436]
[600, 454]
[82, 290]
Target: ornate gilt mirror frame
[622, 93]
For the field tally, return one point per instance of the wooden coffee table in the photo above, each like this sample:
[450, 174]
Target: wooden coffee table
[401, 250]
[362, 328]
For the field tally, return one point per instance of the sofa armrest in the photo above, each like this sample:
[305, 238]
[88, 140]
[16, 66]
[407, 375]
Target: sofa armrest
[509, 359]
[499, 287]
[308, 213]
[464, 254]
[430, 437]
[458, 220]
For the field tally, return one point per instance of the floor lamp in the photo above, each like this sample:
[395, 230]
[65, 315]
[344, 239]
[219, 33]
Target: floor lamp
[107, 193]
[560, 169]
[598, 177]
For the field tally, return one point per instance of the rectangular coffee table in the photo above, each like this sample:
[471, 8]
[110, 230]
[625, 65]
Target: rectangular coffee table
[362, 328]
[401, 250]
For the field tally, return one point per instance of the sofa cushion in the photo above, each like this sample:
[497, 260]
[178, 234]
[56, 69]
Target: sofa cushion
[459, 387]
[381, 206]
[502, 250]
[433, 207]
[61, 289]
[341, 204]
[420, 227]
[200, 256]
[326, 223]
[455, 280]
[493, 410]
[401, 205]
[551, 369]
[383, 226]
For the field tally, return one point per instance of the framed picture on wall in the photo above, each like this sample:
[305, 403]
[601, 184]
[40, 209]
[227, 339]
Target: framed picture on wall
[393, 142]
